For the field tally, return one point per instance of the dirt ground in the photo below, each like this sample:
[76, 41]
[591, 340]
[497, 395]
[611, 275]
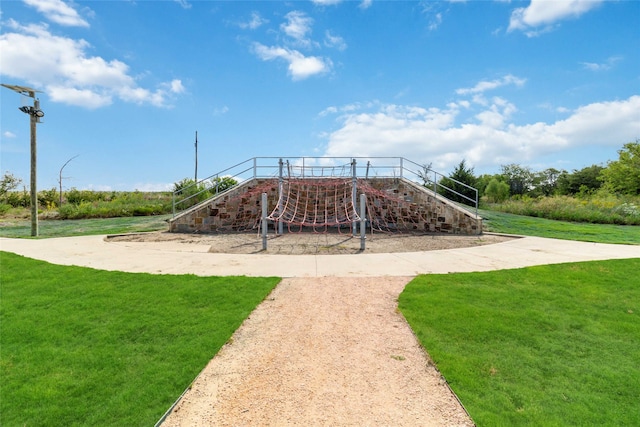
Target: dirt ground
[322, 351]
[314, 243]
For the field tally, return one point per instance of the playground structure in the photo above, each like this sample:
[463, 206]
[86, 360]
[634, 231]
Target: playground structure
[324, 195]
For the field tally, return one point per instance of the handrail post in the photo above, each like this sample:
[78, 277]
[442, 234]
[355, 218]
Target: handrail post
[401, 167]
[264, 221]
[354, 189]
[280, 188]
[255, 167]
[435, 184]
[363, 221]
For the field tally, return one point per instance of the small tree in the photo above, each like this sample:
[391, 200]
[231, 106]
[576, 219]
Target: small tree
[519, 178]
[424, 175]
[497, 191]
[460, 175]
[220, 184]
[623, 175]
[9, 182]
[546, 182]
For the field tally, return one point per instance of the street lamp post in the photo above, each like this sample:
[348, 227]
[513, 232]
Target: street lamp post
[35, 113]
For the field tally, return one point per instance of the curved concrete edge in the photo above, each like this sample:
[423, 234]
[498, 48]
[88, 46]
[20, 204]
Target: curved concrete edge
[180, 258]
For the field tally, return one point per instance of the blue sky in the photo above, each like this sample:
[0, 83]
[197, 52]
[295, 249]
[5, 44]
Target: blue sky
[126, 84]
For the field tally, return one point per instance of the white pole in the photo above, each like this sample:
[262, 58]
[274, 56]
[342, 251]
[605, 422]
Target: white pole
[363, 221]
[263, 223]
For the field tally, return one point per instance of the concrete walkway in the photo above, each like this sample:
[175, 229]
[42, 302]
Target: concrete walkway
[179, 258]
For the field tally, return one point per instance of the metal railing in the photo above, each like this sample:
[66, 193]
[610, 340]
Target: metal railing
[323, 167]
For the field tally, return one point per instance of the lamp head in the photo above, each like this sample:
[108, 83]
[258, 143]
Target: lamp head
[32, 111]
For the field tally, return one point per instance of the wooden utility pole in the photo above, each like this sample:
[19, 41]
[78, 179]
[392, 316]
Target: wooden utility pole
[196, 177]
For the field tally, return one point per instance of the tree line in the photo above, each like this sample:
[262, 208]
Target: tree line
[621, 177]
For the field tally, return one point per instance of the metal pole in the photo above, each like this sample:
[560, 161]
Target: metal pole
[354, 195]
[280, 188]
[264, 221]
[401, 167]
[34, 188]
[196, 175]
[435, 184]
[363, 221]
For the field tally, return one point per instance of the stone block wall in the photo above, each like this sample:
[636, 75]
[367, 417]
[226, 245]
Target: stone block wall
[396, 204]
[418, 209]
[236, 210]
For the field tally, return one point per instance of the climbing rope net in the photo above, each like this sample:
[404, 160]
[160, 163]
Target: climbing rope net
[316, 203]
[321, 205]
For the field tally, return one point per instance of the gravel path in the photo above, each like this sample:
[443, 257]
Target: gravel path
[322, 351]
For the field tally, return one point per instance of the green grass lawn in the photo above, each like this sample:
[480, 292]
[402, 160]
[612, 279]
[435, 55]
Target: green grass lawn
[82, 347]
[553, 345]
[84, 227]
[500, 222]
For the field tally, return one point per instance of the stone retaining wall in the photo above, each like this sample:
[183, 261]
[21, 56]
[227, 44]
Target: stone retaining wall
[397, 203]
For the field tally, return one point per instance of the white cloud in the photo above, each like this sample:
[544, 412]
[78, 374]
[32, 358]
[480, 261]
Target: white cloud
[221, 111]
[300, 66]
[545, 13]
[153, 186]
[255, 22]
[297, 26]
[484, 86]
[184, 4]
[61, 65]
[331, 40]
[175, 86]
[83, 97]
[487, 139]
[59, 12]
[602, 66]
[326, 2]
[8, 134]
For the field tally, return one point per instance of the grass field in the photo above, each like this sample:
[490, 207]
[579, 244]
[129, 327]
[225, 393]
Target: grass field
[86, 347]
[553, 345]
[500, 222]
[85, 227]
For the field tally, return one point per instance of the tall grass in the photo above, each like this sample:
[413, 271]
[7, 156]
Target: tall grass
[600, 208]
[119, 205]
[84, 204]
